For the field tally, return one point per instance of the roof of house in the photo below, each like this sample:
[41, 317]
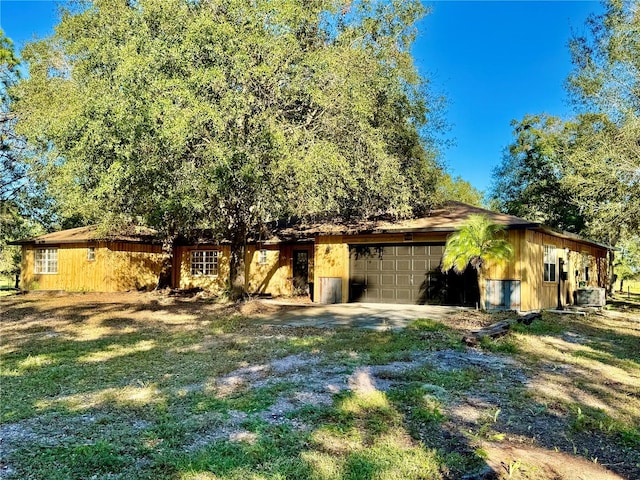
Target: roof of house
[447, 218]
[444, 219]
[133, 234]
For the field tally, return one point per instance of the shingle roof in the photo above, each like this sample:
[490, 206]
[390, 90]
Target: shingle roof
[444, 219]
[134, 234]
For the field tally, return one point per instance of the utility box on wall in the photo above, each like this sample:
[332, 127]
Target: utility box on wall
[502, 295]
[593, 297]
[330, 290]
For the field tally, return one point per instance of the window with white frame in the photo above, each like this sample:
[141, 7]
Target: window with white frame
[46, 260]
[262, 257]
[91, 254]
[204, 262]
[549, 263]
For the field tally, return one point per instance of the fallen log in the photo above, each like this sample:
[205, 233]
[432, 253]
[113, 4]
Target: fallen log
[498, 329]
[529, 318]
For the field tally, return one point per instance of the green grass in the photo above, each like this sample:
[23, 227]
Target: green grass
[7, 286]
[600, 364]
[140, 387]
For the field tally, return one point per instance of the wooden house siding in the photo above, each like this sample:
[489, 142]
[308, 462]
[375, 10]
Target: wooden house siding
[118, 266]
[332, 254]
[182, 277]
[526, 265]
[538, 294]
[276, 276]
[331, 261]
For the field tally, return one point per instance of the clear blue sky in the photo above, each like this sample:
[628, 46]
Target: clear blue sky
[494, 61]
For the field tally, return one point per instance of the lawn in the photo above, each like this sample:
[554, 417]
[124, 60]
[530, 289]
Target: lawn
[147, 386]
[6, 285]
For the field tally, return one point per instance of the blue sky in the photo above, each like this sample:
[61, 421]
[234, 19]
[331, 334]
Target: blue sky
[494, 61]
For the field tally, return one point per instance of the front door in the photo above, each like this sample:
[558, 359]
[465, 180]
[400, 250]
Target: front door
[300, 272]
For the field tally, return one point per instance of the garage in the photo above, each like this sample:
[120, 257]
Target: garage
[394, 273]
[408, 274]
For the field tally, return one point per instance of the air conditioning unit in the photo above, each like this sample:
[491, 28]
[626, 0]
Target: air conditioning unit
[591, 297]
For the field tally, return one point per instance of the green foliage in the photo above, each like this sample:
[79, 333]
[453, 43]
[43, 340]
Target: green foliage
[605, 85]
[606, 62]
[15, 192]
[627, 261]
[529, 181]
[581, 174]
[459, 190]
[601, 173]
[13, 226]
[226, 115]
[475, 243]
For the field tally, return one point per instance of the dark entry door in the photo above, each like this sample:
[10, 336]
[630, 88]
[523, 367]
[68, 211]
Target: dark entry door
[300, 272]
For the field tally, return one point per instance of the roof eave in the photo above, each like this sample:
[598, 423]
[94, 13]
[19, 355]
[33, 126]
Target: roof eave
[86, 241]
[572, 236]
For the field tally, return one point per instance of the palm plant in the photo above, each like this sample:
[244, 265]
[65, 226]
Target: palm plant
[475, 243]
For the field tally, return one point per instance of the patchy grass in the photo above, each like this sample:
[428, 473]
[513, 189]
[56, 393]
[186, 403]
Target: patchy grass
[142, 386]
[587, 371]
[7, 285]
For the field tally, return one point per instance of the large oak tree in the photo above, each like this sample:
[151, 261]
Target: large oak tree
[222, 115]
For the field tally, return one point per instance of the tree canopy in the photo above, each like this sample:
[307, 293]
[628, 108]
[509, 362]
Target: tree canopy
[16, 194]
[530, 181]
[581, 174]
[223, 115]
[459, 190]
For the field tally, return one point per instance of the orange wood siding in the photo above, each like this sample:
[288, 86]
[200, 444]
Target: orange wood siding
[182, 277]
[118, 266]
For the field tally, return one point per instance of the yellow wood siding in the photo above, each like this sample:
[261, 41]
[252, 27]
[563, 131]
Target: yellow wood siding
[117, 267]
[276, 276]
[332, 254]
[182, 269]
[511, 270]
[329, 257]
[331, 260]
[538, 294]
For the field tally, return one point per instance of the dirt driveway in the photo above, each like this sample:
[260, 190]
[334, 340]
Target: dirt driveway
[373, 316]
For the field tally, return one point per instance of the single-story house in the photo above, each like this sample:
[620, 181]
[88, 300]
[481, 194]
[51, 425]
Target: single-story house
[80, 259]
[370, 261]
[399, 262]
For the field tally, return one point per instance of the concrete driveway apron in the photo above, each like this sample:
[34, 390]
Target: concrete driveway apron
[375, 316]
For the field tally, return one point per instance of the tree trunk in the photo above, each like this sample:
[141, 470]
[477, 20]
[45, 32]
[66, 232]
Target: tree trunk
[237, 270]
[612, 278]
[481, 289]
[165, 279]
